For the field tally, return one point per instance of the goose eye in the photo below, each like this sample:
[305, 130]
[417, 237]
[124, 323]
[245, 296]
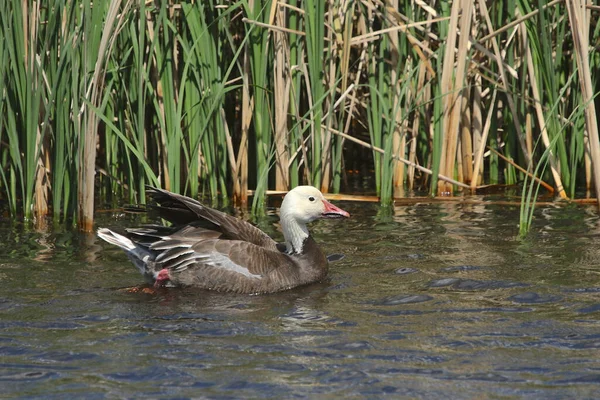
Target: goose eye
[311, 198]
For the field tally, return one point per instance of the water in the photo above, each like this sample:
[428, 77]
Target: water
[432, 301]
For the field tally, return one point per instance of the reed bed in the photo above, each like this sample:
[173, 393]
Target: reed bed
[224, 99]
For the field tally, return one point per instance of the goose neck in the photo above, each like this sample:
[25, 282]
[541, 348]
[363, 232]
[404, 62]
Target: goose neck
[295, 233]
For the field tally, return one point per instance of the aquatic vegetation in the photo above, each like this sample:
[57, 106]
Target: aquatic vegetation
[98, 100]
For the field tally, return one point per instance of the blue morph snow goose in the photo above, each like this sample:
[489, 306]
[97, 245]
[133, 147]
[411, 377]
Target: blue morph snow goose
[209, 249]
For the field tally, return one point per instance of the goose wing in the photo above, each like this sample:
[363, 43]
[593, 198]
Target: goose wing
[180, 209]
[224, 265]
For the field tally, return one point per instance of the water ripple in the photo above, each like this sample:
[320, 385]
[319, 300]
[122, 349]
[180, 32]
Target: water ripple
[472, 284]
[440, 301]
[534, 298]
[403, 299]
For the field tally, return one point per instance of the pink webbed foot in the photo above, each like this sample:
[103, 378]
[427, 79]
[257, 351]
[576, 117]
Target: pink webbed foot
[162, 278]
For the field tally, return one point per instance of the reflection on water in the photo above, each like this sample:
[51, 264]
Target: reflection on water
[430, 301]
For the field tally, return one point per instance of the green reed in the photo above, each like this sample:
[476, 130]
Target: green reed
[24, 90]
[296, 137]
[530, 188]
[260, 54]
[209, 67]
[314, 24]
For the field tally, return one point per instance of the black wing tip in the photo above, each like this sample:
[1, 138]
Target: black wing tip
[157, 192]
[175, 208]
[161, 195]
[151, 190]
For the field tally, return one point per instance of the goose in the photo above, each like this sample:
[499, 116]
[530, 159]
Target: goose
[208, 249]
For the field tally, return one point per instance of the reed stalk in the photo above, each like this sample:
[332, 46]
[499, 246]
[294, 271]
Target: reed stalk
[204, 96]
[282, 87]
[579, 19]
[259, 66]
[530, 190]
[314, 23]
[240, 182]
[97, 52]
[296, 55]
[546, 67]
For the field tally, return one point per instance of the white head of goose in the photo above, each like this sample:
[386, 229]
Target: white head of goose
[208, 249]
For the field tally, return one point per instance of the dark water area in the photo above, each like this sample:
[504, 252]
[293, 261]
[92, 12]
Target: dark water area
[430, 301]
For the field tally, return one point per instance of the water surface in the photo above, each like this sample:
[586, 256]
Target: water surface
[430, 301]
